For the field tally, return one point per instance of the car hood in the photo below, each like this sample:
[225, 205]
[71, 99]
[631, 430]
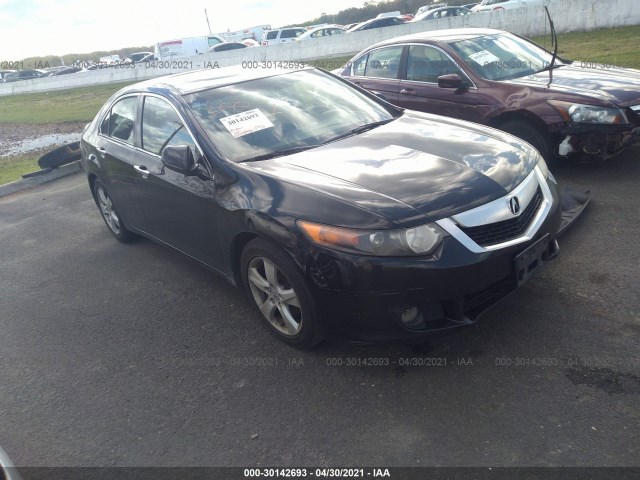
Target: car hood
[419, 167]
[620, 86]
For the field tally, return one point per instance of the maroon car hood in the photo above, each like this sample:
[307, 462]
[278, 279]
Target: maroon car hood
[620, 86]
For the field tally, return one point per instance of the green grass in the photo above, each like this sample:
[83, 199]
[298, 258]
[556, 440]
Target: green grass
[78, 104]
[613, 46]
[12, 168]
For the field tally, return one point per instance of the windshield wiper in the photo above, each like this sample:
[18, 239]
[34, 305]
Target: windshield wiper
[554, 42]
[279, 153]
[361, 129]
[550, 66]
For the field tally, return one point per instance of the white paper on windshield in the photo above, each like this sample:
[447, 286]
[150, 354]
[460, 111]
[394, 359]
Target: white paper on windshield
[484, 57]
[245, 123]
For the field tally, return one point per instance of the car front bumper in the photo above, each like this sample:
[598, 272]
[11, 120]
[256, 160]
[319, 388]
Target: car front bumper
[599, 141]
[366, 298]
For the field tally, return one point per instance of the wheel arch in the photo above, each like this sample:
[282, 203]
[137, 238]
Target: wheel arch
[92, 180]
[235, 254]
[520, 115]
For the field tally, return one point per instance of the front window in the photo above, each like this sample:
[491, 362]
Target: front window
[162, 127]
[297, 110]
[502, 56]
[426, 64]
[291, 33]
[211, 41]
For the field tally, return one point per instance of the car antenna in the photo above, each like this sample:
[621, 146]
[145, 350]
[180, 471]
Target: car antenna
[554, 44]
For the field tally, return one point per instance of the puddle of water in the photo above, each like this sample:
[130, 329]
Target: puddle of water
[40, 142]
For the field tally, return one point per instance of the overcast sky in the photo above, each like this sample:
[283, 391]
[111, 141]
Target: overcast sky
[42, 27]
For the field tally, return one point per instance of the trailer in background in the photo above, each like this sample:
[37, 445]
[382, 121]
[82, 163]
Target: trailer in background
[185, 47]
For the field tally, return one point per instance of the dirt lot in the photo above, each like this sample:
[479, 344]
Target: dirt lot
[12, 134]
[23, 144]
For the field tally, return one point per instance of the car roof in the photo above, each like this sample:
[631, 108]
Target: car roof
[195, 81]
[446, 35]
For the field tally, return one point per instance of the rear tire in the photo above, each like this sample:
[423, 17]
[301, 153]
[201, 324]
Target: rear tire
[280, 293]
[530, 133]
[109, 213]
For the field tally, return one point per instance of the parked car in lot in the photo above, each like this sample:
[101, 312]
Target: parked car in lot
[338, 212]
[320, 32]
[497, 5]
[430, 7]
[226, 46]
[443, 12]
[4, 73]
[138, 57]
[282, 35]
[505, 81]
[29, 74]
[378, 23]
[66, 71]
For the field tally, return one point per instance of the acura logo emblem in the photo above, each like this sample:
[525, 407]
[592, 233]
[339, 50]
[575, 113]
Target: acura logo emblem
[514, 205]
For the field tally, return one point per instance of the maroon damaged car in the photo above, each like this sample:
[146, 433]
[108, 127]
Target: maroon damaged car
[496, 78]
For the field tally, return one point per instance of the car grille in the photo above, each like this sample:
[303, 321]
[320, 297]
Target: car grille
[499, 232]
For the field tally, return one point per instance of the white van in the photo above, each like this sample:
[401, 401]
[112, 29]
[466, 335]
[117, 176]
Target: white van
[185, 47]
[497, 5]
[282, 35]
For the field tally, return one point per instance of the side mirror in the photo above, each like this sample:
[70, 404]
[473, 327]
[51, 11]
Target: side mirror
[179, 159]
[453, 80]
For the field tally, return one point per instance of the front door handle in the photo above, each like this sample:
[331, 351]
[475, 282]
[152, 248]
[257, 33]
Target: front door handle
[408, 91]
[102, 151]
[142, 170]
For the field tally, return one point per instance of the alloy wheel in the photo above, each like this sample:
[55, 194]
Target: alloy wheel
[274, 294]
[108, 211]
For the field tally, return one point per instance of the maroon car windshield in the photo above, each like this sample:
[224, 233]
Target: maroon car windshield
[502, 56]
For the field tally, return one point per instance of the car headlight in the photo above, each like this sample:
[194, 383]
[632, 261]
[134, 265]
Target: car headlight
[578, 113]
[421, 240]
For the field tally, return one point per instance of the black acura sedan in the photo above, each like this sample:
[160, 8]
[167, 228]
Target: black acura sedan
[336, 211]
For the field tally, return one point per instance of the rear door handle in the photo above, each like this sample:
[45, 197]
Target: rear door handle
[142, 170]
[102, 151]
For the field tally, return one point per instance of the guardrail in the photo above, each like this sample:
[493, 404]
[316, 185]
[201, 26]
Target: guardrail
[568, 15]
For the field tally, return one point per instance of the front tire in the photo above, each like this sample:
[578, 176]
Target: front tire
[279, 292]
[109, 213]
[530, 133]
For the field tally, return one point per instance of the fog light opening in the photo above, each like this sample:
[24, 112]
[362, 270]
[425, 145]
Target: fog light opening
[411, 317]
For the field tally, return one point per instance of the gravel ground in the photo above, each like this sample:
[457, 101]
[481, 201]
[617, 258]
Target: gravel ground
[13, 135]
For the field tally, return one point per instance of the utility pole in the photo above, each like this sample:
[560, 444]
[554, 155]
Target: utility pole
[207, 17]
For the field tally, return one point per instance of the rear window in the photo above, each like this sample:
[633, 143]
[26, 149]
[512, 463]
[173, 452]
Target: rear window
[272, 35]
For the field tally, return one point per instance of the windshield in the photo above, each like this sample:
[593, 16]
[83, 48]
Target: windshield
[502, 56]
[289, 112]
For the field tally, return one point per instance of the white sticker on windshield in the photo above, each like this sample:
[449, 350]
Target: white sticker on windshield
[245, 123]
[484, 58]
